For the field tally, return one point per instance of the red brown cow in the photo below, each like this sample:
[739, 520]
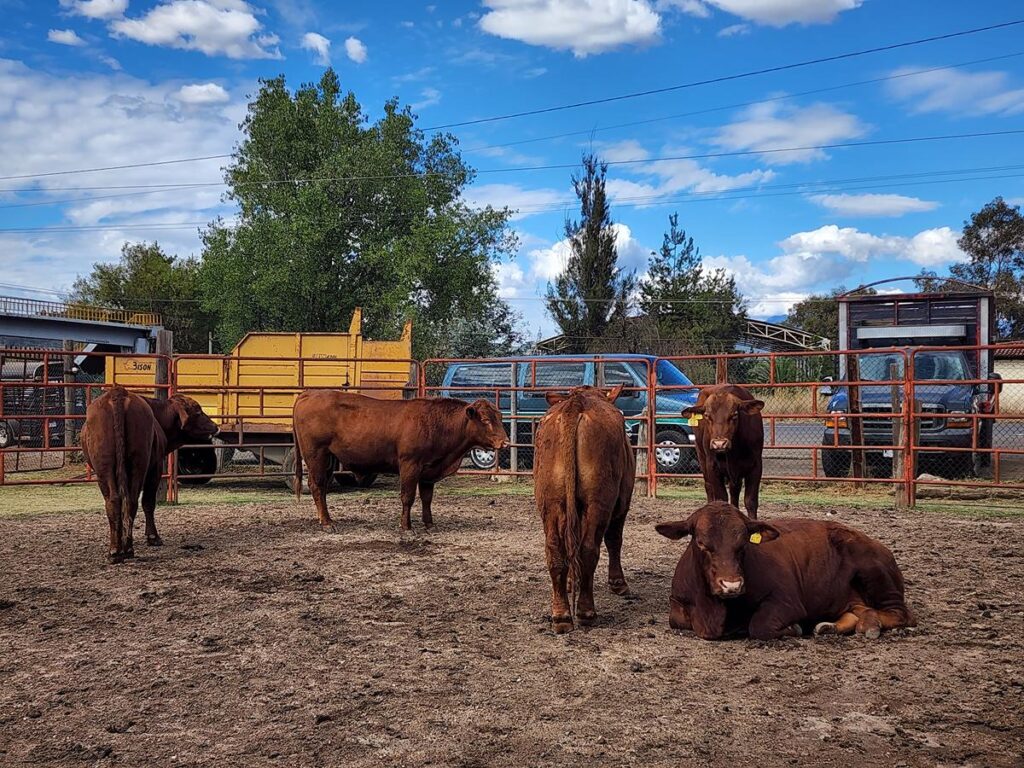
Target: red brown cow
[583, 473]
[125, 440]
[421, 440]
[745, 577]
[730, 439]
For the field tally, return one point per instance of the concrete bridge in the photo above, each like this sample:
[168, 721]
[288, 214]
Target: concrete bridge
[35, 323]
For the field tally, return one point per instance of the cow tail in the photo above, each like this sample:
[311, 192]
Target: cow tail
[117, 404]
[573, 523]
[298, 465]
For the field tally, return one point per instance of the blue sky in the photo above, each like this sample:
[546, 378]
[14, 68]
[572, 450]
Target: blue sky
[95, 83]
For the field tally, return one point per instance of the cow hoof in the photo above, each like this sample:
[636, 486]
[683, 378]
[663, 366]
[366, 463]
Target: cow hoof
[794, 630]
[328, 528]
[561, 624]
[115, 558]
[154, 541]
[825, 628]
[873, 632]
[587, 618]
[619, 587]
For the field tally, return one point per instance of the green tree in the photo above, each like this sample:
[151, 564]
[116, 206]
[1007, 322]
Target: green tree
[993, 238]
[337, 212]
[696, 310]
[819, 313]
[148, 280]
[593, 291]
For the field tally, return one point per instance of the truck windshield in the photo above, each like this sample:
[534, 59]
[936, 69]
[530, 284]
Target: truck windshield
[928, 366]
[670, 376]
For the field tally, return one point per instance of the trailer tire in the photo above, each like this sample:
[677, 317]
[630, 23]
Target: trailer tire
[835, 463]
[6, 435]
[196, 461]
[288, 466]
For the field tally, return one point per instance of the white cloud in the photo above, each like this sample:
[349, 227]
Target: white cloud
[525, 202]
[628, 149]
[511, 280]
[774, 13]
[734, 29]
[96, 9]
[319, 45]
[214, 27]
[548, 263]
[355, 49]
[202, 94]
[64, 37]
[429, 97]
[582, 26]
[828, 255]
[959, 92]
[774, 125]
[692, 7]
[873, 205]
[86, 120]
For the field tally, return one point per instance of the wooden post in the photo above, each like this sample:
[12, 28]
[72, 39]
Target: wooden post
[856, 423]
[514, 422]
[898, 451]
[68, 364]
[165, 346]
[721, 370]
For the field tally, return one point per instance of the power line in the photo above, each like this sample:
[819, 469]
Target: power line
[728, 78]
[114, 167]
[739, 105]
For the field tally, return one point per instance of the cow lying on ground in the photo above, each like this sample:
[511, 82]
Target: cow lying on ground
[422, 440]
[745, 577]
[125, 440]
[730, 439]
[583, 473]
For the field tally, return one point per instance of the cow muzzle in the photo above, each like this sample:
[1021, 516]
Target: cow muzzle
[720, 446]
[730, 588]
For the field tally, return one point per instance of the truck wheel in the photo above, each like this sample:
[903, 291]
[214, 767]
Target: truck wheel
[836, 463]
[671, 458]
[196, 461]
[288, 466]
[6, 436]
[483, 458]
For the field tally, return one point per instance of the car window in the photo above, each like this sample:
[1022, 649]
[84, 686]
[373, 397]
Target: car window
[939, 366]
[556, 374]
[483, 378]
[618, 373]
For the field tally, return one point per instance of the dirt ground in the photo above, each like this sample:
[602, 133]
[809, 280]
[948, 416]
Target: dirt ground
[251, 638]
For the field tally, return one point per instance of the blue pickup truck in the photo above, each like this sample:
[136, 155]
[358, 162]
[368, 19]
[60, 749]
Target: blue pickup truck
[474, 379]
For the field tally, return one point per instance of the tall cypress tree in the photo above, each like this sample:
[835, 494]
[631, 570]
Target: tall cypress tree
[593, 291]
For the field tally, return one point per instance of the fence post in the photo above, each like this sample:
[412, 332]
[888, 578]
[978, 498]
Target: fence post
[69, 396]
[513, 412]
[164, 347]
[721, 370]
[856, 423]
[898, 442]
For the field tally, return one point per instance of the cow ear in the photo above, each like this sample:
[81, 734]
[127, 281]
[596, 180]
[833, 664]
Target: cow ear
[554, 398]
[768, 532]
[180, 407]
[752, 407]
[614, 393]
[675, 530]
[472, 412]
[693, 410]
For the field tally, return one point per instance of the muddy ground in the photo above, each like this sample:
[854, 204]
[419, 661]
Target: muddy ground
[251, 638]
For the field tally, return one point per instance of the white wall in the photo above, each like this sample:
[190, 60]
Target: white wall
[1012, 398]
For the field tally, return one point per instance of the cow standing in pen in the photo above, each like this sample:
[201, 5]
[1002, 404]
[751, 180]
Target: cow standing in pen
[730, 440]
[421, 440]
[584, 470]
[743, 577]
[125, 440]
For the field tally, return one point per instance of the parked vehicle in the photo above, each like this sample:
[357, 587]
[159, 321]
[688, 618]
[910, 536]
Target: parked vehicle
[914, 323]
[24, 397]
[674, 452]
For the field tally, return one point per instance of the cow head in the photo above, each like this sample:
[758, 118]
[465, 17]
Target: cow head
[192, 420]
[611, 395]
[484, 427]
[719, 416]
[721, 535]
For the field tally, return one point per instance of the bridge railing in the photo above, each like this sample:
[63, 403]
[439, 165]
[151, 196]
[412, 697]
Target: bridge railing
[17, 306]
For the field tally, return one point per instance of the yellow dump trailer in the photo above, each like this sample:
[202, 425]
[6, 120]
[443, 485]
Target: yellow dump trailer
[250, 392]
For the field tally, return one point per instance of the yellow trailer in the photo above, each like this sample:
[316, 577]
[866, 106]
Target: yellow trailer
[250, 392]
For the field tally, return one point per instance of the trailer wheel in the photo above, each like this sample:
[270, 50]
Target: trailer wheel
[196, 461]
[288, 465]
[835, 463]
[6, 436]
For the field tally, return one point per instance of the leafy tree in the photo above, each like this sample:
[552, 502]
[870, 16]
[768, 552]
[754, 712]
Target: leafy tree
[994, 240]
[337, 212]
[819, 313]
[695, 309]
[148, 280]
[593, 291]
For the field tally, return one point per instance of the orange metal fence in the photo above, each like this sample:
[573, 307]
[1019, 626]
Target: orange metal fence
[905, 419]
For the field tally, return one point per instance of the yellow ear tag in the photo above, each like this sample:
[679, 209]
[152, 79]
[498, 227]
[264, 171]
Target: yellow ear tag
[755, 538]
[695, 419]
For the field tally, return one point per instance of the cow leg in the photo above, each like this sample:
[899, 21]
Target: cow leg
[844, 625]
[734, 491]
[319, 466]
[613, 541]
[678, 618]
[112, 503]
[426, 497]
[590, 552]
[149, 489]
[751, 492]
[768, 623]
[409, 481]
[128, 525]
[558, 568]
